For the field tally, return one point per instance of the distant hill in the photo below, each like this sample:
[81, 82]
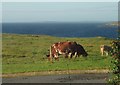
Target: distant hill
[115, 23]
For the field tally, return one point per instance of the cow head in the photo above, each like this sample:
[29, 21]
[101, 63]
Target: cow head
[85, 54]
[81, 51]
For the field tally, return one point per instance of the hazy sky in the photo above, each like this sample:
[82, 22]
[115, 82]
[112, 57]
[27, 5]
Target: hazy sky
[59, 11]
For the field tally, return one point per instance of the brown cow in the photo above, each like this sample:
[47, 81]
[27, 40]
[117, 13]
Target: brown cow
[66, 48]
[105, 49]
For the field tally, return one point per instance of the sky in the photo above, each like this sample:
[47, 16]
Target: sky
[60, 0]
[59, 11]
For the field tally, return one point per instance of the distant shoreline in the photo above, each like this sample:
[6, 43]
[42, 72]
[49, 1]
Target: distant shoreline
[113, 23]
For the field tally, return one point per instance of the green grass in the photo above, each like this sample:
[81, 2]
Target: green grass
[27, 53]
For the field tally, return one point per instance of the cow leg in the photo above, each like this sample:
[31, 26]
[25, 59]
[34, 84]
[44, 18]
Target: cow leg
[71, 55]
[76, 54]
[56, 57]
[102, 53]
[106, 53]
[66, 55]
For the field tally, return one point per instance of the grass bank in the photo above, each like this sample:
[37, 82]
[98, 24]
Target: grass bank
[27, 53]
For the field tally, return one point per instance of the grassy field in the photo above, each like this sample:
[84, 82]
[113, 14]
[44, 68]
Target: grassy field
[27, 53]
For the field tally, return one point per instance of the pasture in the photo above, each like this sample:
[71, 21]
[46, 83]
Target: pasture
[27, 53]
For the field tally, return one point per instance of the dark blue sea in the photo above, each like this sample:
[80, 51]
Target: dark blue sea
[62, 29]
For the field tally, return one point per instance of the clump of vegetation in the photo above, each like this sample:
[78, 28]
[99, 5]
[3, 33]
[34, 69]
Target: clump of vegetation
[115, 67]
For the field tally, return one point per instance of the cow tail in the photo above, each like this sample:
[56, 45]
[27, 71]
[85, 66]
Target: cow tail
[51, 53]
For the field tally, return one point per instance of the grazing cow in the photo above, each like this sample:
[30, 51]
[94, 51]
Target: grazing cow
[79, 50]
[66, 48]
[105, 49]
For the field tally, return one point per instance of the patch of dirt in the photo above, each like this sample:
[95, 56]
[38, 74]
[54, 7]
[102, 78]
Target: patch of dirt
[53, 73]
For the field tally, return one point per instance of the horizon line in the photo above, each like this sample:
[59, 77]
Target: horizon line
[62, 22]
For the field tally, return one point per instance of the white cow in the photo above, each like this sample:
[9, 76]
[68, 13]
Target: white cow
[104, 49]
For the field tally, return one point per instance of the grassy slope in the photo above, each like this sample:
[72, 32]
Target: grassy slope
[26, 53]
